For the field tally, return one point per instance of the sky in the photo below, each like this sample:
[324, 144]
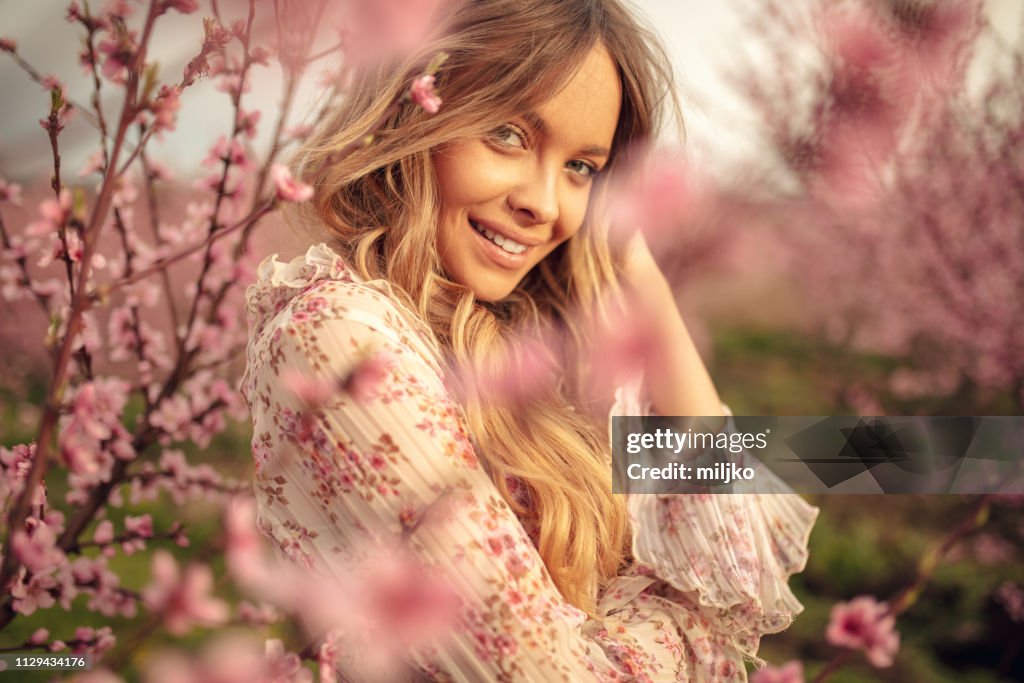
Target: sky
[706, 41]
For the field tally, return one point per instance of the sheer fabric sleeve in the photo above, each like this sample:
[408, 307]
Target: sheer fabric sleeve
[363, 468]
[722, 560]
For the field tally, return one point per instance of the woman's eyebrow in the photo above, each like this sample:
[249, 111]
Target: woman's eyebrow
[533, 120]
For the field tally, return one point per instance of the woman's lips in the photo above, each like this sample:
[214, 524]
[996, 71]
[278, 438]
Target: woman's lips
[496, 254]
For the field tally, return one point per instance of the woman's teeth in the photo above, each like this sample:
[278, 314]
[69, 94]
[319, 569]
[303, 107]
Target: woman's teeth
[509, 245]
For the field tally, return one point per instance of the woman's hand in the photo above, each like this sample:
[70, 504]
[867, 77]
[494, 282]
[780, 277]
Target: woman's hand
[676, 378]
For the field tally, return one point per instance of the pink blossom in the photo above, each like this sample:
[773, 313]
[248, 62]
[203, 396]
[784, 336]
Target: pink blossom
[657, 195]
[118, 53]
[183, 600]
[363, 382]
[51, 82]
[104, 533]
[165, 107]
[97, 406]
[283, 666]
[790, 672]
[868, 97]
[8, 44]
[232, 152]
[1011, 595]
[37, 549]
[288, 188]
[39, 636]
[864, 623]
[247, 122]
[422, 93]
[382, 30]
[10, 192]
[33, 595]
[244, 548]
[93, 164]
[53, 213]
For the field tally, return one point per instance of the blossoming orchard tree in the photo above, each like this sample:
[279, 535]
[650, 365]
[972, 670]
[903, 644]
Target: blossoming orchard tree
[904, 204]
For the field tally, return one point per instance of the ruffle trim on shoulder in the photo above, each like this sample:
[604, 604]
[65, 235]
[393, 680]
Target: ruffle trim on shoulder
[278, 281]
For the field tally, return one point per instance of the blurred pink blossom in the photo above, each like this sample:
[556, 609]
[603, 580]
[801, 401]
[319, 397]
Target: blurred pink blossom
[8, 44]
[118, 53]
[422, 93]
[790, 672]
[248, 122]
[288, 188]
[374, 30]
[53, 213]
[183, 599]
[33, 595]
[656, 195]
[864, 624]
[37, 548]
[10, 192]
[364, 382]
[311, 391]
[104, 533]
[283, 666]
[165, 108]
[1011, 595]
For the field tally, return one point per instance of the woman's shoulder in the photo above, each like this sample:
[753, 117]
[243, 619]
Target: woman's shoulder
[318, 286]
[318, 293]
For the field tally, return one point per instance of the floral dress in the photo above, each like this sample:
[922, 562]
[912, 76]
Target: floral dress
[710, 571]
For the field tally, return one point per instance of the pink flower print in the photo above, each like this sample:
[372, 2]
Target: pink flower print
[790, 672]
[864, 623]
[288, 188]
[183, 599]
[422, 93]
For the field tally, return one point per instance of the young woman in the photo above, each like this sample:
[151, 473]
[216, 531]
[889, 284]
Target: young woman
[449, 240]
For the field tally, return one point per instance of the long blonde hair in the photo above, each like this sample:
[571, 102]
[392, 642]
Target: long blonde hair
[379, 206]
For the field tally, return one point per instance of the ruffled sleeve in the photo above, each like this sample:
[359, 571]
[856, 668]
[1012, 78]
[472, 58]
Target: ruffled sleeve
[724, 560]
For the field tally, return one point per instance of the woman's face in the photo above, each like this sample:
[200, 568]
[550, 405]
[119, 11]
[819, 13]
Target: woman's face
[510, 198]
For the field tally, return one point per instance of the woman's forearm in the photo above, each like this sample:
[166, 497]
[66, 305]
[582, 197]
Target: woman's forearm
[676, 377]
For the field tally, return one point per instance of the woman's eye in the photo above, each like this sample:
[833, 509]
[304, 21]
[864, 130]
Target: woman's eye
[509, 136]
[582, 168]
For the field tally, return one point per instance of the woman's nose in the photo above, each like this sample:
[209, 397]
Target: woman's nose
[534, 200]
